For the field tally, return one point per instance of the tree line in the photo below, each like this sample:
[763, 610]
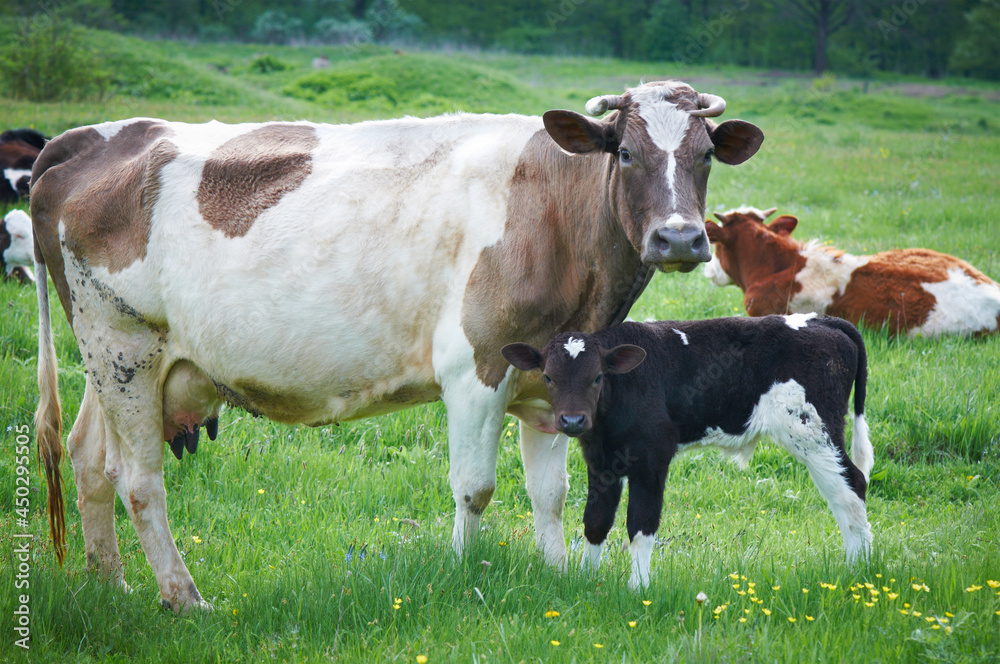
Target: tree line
[856, 37]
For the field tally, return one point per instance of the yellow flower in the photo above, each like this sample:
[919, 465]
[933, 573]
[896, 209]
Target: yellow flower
[993, 584]
[884, 589]
[916, 614]
[904, 612]
[751, 584]
[551, 614]
[767, 612]
[734, 576]
[892, 595]
[396, 607]
[744, 619]
[646, 602]
[950, 615]
[869, 604]
[235, 611]
[741, 592]
[935, 626]
[736, 585]
[943, 621]
[775, 587]
[631, 623]
[915, 586]
[869, 586]
[892, 580]
[598, 645]
[856, 597]
[791, 619]
[260, 491]
[973, 588]
[421, 659]
[874, 593]
[554, 642]
[906, 605]
[810, 618]
[196, 539]
[878, 576]
[947, 630]
[805, 591]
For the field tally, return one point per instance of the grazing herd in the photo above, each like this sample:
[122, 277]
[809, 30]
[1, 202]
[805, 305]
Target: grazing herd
[448, 259]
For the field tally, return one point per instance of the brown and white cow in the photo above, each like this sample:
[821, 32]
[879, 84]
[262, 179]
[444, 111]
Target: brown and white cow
[408, 252]
[18, 150]
[919, 292]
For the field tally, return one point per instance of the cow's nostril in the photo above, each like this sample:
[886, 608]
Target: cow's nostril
[572, 424]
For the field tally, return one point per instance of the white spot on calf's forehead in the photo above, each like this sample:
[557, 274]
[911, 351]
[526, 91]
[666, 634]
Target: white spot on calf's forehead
[683, 336]
[798, 321]
[574, 347]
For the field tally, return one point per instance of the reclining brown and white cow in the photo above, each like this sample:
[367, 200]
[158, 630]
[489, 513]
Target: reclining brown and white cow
[919, 292]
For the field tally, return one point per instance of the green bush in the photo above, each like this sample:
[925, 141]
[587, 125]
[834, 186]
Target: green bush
[265, 64]
[50, 60]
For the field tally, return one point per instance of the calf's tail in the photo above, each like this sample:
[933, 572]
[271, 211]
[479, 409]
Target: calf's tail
[862, 453]
[48, 417]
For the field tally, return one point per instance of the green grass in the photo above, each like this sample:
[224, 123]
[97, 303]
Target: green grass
[283, 566]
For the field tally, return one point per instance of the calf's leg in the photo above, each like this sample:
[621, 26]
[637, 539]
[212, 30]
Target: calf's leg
[645, 505]
[604, 492]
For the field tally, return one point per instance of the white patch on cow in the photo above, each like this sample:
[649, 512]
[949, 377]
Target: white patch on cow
[964, 306]
[799, 321]
[591, 560]
[713, 271]
[109, 129]
[574, 347]
[684, 337]
[12, 175]
[641, 549]
[862, 453]
[746, 210]
[784, 414]
[823, 276]
[21, 251]
[666, 125]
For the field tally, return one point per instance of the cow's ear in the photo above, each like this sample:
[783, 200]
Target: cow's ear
[783, 225]
[523, 356]
[622, 359]
[579, 134]
[736, 141]
[714, 231]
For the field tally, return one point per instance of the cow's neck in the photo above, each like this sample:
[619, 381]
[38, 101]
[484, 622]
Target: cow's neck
[563, 263]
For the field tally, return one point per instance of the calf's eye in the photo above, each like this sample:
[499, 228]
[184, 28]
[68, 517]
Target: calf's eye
[597, 381]
[548, 381]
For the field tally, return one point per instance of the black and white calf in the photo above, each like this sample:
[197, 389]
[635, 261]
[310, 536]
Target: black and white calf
[636, 394]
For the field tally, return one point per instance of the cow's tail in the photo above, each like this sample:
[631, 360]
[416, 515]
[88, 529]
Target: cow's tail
[48, 417]
[862, 453]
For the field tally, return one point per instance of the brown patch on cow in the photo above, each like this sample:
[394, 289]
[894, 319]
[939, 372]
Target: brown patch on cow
[887, 290]
[248, 174]
[563, 261]
[137, 504]
[479, 500]
[104, 191]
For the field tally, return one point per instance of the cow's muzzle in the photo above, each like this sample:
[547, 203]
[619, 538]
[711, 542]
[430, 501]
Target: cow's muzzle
[677, 247]
[573, 424]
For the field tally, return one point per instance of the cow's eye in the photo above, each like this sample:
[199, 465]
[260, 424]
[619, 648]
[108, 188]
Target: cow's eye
[625, 156]
[597, 381]
[708, 155]
[548, 381]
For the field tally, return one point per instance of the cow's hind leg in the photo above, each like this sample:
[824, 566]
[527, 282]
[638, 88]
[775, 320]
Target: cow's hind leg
[544, 458]
[126, 372]
[95, 494]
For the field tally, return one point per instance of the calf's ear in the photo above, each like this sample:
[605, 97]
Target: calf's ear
[784, 225]
[622, 359]
[579, 134]
[736, 141]
[523, 356]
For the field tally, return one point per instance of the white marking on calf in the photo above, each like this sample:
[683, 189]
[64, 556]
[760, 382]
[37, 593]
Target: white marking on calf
[746, 210]
[862, 453]
[713, 270]
[641, 549]
[574, 347]
[822, 278]
[684, 337]
[591, 560]
[799, 321]
[784, 414]
[964, 306]
[20, 253]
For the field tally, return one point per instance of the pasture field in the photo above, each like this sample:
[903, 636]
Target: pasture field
[333, 543]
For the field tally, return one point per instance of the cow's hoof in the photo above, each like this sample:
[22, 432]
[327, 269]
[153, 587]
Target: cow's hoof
[186, 608]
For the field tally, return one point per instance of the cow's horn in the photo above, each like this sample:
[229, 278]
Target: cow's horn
[600, 105]
[768, 212]
[709, 106]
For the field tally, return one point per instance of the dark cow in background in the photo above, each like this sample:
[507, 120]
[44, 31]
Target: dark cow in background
[18, 150]
[637, 394]
[16, 250]
[919, 292]
[410, 251]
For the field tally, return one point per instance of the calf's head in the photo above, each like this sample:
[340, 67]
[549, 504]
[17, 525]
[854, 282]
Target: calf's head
[747, 249]
[662, 145]
[573, 366]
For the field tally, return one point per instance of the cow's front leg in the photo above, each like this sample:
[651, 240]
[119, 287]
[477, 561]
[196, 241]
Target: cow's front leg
[545, 476]
[475, 417]
[604, 492]
[645, 504]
